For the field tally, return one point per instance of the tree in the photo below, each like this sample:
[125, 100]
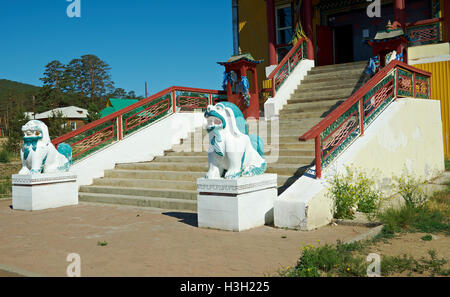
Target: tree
[119, 93]
[93, 113]
[97, 78]
[57, 125]
[54, 75]
[15, 134]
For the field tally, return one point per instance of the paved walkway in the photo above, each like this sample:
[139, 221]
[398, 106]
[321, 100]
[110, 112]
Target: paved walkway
[146, 242]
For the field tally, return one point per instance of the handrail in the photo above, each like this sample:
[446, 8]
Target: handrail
[95, 135]
[286, 58]
[424, 22]
[395, 80]
[285, 67]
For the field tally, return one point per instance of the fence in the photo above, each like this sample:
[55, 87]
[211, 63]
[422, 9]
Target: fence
[117, 126]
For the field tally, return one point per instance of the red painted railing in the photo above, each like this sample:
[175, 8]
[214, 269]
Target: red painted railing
[286, 66]
[425, 32]
[348, 121]
[116, 126]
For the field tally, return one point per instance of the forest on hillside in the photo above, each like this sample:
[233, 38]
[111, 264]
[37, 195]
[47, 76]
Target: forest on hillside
[84, 82]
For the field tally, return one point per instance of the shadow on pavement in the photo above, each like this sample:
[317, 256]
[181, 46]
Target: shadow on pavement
[184, 217]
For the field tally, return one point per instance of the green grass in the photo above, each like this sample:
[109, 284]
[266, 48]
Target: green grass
[447, 164]
[346, 260]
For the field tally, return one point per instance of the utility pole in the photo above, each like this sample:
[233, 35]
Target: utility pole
[146, 90]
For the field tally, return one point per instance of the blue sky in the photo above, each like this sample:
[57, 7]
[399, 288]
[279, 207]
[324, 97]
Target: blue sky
[165, 43]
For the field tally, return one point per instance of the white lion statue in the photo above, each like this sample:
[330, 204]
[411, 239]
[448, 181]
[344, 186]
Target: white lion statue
[39, 155]
[232, 152]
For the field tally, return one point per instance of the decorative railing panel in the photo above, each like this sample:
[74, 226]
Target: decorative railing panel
[93, 139]
[405, 86]
[190, 101]
[146, 114]
[117, 126]
[378, 98]
[348, 121]
[422, 86]
[340, 134]
[424, 32]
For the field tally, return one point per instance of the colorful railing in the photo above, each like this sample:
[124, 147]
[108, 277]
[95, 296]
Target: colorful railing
[117, 126]
[425, 32]
[279, 75]
[348, 121]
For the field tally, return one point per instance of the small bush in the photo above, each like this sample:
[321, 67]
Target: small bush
[5, 156]
[411, 189]
[353, 191]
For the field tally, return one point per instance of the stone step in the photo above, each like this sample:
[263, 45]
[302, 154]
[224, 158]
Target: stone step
[204, 159]
[304, 115]
[282, 152]
[333, 75]
[282, 169]
[341, 92]
[310, 106]
[146, 183]
[140, 191]
[335, 67]
[154, 174]
[130, 200]
[313, 87]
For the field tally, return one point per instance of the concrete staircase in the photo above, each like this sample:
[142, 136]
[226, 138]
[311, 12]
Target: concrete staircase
[169, 181]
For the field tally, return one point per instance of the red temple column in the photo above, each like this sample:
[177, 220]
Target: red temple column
[446, 16]
[308, 26]
[271, 36]
[399, 12]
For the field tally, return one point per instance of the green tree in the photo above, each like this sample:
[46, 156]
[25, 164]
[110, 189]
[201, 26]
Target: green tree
[54, 75]
[97, 77]
[93, 113]
[57, 125]
[15, 135]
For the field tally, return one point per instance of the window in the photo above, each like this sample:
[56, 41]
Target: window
[283, 30]
[73, 125]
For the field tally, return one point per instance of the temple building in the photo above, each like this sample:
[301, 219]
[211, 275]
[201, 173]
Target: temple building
[346, 31]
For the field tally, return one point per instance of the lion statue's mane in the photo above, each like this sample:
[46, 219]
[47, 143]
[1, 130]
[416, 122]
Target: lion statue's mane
[232, 151]
[39, 155]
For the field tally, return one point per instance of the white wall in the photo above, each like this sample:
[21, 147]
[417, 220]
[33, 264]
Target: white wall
[141, 146]
[407, 135]
[273, 105]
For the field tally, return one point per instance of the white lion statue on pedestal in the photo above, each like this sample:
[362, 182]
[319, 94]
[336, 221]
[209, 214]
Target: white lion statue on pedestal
[232, 152]
[39, 155]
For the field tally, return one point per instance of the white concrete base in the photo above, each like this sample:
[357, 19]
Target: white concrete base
[43, 191]
[236, 205]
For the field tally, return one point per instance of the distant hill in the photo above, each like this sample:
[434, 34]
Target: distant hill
[18, 93]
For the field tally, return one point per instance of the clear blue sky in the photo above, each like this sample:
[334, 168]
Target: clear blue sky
[165, 43]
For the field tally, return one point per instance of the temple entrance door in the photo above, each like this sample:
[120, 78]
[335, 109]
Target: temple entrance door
[324, 45]
[343, 44]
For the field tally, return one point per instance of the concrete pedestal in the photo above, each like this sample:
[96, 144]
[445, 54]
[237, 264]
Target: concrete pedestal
[42, 191]
[236, 205]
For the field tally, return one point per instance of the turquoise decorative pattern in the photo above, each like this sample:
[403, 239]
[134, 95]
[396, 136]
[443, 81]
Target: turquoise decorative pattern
[93, 140]
[377, 99]
[424, 34]
[190, 101]
[340, 134]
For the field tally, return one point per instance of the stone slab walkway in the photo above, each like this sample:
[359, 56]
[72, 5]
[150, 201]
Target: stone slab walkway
[146, 242]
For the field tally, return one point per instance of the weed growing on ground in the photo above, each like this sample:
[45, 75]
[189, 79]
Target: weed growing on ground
[5, 187]
[351, 191]
[102, 243]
